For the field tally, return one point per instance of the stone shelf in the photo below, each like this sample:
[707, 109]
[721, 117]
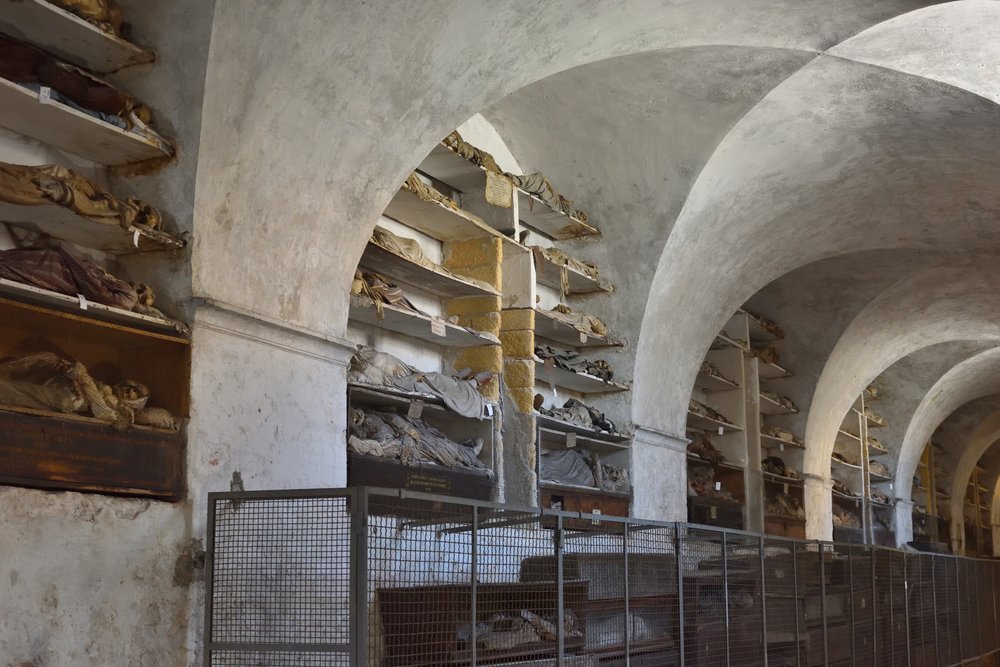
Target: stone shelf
[878, 478]
[578, 382]
[707, 424]
[557, 331]
[772, 372]
[442, 284]
[441, 222]
[554, 424]
[68, 36]
[447, 166]
[552, 439]
[723, 341]
[541, 217]
[849, 466]
[62, 223]
[773, 442]
[69, 304]
[416, 325]
[714, 383]
[58, 125]
[780, 479]
[758, 333]
[550, 274]
[844, 496]
[724, 464]
[770, 407]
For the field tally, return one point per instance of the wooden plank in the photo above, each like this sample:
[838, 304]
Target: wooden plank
[69, 304]
[578, 382]
[62, 223]
[58, 125]
[713, 383]
[559, 439]
[447, 166]
[550, 274]
[417, 326]
[541, 217]
[559, 425]
[437, 220]
[382, 261]
[557, 331]
[707, 424]
[772, 372]
[770, 407]
[68, 36]
[80, 453]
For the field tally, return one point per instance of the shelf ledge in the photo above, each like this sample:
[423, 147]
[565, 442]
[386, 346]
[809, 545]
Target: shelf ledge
[417, 325]
[68, 36]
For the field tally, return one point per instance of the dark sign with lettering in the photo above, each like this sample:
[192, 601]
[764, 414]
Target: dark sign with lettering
[365, 470]
[80, 455]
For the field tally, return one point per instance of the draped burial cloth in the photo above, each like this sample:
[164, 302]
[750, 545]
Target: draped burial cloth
[51, 184]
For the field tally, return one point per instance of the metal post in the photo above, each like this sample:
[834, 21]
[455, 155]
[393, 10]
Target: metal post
[822, 602]
[680, 589]
[958, 610]
[937, 647]
[795, 600]
[560, 608]
[474, 571]
[725, 590]
[763, 601]
[359, 571]
[850, 588]
[906, 607]
[628, 618]
[209, 580]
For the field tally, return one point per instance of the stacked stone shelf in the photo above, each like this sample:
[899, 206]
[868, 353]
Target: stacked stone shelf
[563, 334]
[97, 311]
[437, 220]
[418, 326]
[62, 223]
[774, 442]
[715, 426]
[70, 37]
[436, 282]
[51, 122]
[423, 476]
[614, 441]
[538, 215]
[771, 407]
[710, 382]
[550, 274]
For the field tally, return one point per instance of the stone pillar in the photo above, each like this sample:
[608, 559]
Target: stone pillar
[819, 506]
[903, 522]
[659, 475]
[268, 401]
[517, 336]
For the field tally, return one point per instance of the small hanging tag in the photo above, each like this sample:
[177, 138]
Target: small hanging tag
[598, 512]
[781, 447]
[721, 430]
[135, 238]
[489, 410]
[785, 488]
[83, 301]
[718, 486]
[44, 95]
[583, 338]
[437, 327]
[571, 440]
[550, 365]
[499, 189]
[415, 410]
[713, 512]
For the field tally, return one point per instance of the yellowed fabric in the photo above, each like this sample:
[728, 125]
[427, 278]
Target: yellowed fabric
[104, 14]
[52, 184]
[415, 185]
[410, 249]
[583, 322]
[534, 183]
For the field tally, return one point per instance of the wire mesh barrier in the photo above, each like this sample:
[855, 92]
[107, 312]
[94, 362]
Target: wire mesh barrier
[376, 577]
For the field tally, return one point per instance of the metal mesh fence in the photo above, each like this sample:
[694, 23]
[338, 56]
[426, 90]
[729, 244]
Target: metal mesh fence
[372, 577]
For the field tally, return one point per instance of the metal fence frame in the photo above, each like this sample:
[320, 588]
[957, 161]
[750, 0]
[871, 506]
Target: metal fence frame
[733, 598]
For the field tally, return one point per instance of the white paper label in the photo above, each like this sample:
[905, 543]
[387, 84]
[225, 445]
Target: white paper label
[499, 190]
[781, 447]
[83, 301]
[135, 238]
[571, 440]
[415, 410]
[44, 95]
[596, 511]
[713, 512]
[721, 430]
[583, 338]
[489, 409]
[437, 327]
